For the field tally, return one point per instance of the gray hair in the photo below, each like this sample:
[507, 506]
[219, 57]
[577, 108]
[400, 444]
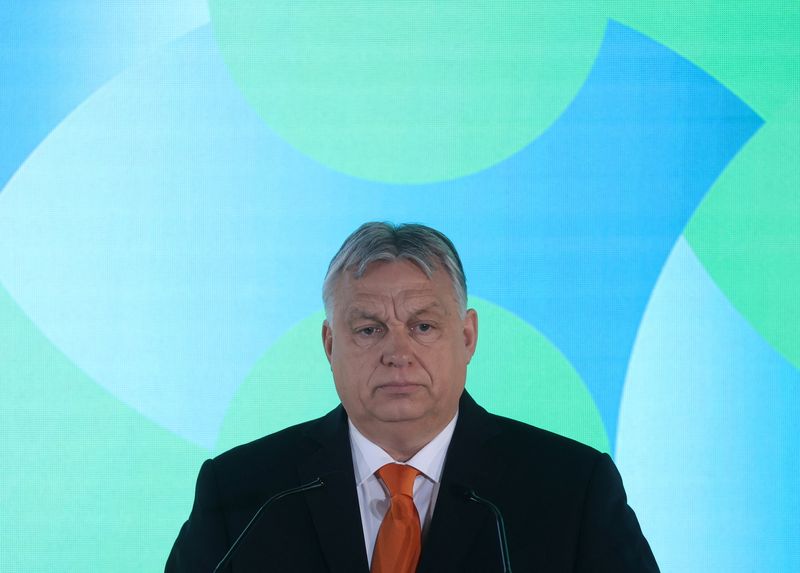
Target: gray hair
[427, 248]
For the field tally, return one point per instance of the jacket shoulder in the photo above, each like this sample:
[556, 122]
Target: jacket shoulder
[551, 453]
[277, 445]
[535, 435]
[273, 459]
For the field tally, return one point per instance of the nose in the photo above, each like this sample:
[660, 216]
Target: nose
[397, 349]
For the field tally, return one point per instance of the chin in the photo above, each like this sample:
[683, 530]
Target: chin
[400, 409]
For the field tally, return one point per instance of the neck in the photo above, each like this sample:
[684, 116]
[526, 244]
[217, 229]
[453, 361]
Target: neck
[401, 452]
[401, 440]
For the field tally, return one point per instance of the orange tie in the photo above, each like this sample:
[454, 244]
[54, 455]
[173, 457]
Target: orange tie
[398, 545]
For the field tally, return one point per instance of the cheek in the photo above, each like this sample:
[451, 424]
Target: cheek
[446, 369]
[353, 370]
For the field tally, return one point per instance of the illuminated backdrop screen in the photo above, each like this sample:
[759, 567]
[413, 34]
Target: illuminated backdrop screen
[620, 177]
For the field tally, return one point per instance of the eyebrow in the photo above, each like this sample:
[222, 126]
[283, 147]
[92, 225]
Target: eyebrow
[356, 313]
[432, 307]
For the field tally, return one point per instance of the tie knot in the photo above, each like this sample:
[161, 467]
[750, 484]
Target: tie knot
[399, 478]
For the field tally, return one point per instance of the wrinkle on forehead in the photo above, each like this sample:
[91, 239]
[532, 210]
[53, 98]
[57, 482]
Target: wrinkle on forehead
[408, 296]
[403, 306]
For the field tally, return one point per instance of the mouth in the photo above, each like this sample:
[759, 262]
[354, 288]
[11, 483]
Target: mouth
[398, 387]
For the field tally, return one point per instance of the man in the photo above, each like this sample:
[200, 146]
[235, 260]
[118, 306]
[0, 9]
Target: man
[408, 454]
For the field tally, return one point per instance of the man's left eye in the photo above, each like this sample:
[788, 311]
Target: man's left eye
[424, 327]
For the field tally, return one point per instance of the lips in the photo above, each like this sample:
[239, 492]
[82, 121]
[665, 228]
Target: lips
[398, 386]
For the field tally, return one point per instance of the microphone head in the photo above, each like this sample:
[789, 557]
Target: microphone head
[462, 491]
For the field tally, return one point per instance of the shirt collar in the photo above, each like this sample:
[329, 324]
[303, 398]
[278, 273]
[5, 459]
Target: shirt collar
[369, 457]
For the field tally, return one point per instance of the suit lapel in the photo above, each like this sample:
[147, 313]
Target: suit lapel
[469, 464]
[335, 511]
[456, 521]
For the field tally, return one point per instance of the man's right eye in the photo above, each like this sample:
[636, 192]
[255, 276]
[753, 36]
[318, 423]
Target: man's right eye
[368, 331]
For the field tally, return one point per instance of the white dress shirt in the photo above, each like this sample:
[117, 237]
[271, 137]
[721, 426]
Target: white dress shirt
[373, 497]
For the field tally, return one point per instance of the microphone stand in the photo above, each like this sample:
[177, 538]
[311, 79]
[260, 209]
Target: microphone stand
[470, 494]
[314, 484]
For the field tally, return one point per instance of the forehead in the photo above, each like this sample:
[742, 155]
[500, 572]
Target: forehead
[398, 281]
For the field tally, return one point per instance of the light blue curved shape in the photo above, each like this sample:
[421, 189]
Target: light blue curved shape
[54, 55]
[163, 237]
[709, 432]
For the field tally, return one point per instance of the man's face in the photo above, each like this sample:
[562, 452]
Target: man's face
[398, 348]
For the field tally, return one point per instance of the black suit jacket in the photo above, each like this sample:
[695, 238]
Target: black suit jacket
[563, 504]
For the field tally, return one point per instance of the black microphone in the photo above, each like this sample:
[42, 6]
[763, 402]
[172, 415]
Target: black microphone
[314, 484]
[469, 494]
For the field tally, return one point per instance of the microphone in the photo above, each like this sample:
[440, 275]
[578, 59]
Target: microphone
[470, 495]
[314, 484]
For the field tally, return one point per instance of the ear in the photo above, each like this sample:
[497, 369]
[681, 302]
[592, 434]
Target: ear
[470, 333]
[327, 339]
